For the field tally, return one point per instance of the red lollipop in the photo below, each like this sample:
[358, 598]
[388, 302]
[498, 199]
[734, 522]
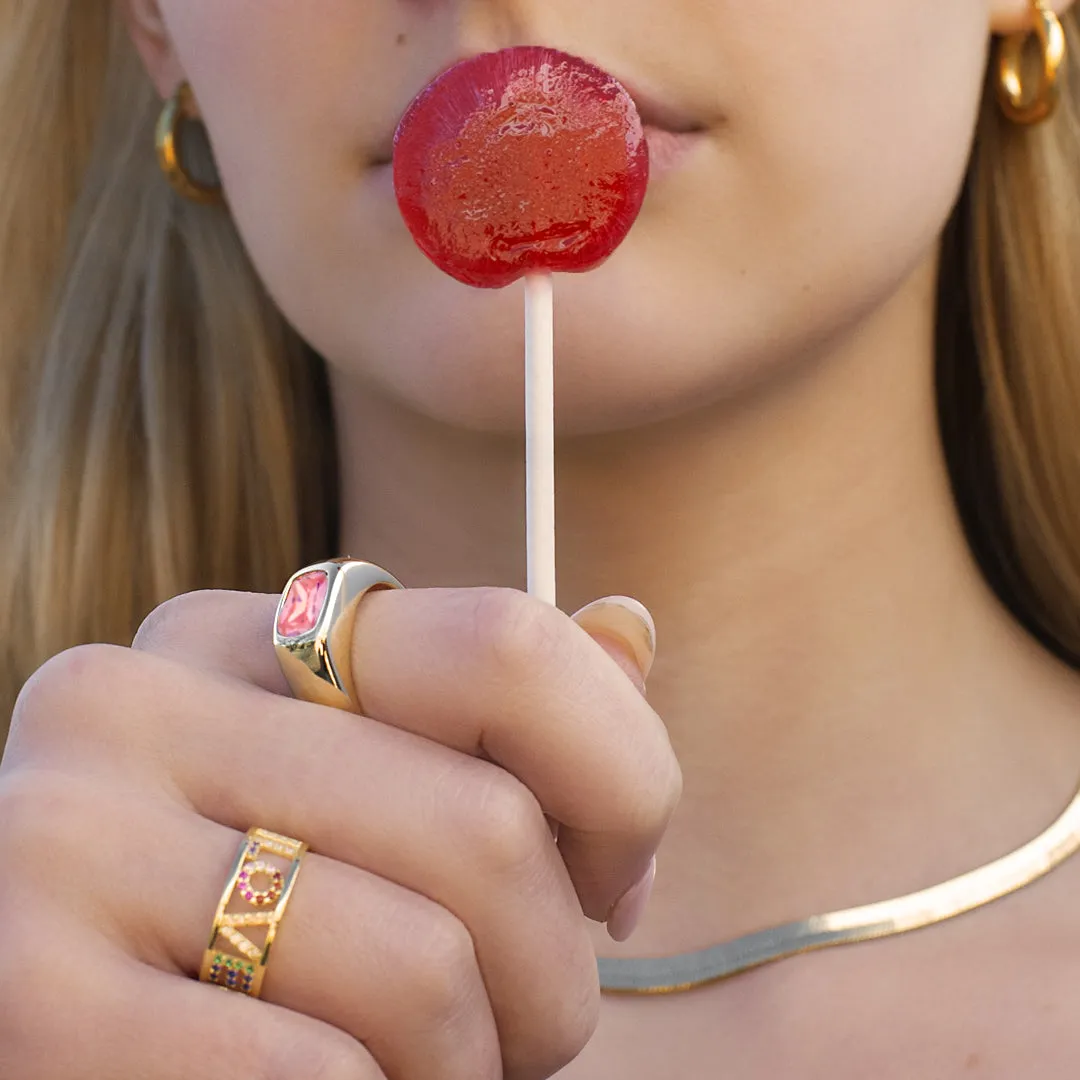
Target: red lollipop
[517, 164]
[520, 161]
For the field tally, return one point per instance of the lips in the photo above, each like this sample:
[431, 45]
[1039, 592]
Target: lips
[670, 129]
[671, 133]
[662, 115]
[669, 149]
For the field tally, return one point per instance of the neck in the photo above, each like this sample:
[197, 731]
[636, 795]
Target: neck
[838, 681]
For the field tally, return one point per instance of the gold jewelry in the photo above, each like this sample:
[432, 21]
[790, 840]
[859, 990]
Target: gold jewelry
[673, 974]
[232, 959]
[1020, 105]
[179, 109]
[313, 628]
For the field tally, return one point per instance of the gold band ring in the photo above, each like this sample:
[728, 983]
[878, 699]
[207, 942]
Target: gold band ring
[314, 625]
[250, 911]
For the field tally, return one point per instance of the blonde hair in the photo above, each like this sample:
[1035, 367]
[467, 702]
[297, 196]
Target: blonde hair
[163, 428]
[148, 384]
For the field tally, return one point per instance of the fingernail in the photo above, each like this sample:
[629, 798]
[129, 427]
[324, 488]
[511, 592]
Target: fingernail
[626, 619]
[627, 912]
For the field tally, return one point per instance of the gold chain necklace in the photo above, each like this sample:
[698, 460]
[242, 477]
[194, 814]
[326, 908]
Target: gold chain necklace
[673, 974]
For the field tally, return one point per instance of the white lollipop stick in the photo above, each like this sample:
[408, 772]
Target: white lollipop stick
[540, 435]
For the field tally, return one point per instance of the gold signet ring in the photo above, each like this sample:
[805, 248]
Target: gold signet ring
[314, 625]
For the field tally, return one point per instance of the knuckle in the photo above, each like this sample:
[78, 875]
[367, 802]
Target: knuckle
[447, 975]
[25, 992]
[334, 1062]
[644, 805]
[565, 1026]
[673, 790]
[39, 811]
[573, 1028]
[662, 796]
[522, 636]
[172, 621]
[53, 701]
[507, 829]
[333, 1057]
[645, 814]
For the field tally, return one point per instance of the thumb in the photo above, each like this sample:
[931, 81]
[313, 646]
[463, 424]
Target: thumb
[625, 630]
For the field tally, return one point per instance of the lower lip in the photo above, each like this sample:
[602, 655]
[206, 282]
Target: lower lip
[669, 150]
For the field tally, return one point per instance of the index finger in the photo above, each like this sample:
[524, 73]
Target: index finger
[495, 673]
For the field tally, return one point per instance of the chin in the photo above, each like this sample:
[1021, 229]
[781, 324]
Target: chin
[632, 348]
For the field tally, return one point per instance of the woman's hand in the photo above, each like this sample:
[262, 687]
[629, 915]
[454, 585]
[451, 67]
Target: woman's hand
[437, 934]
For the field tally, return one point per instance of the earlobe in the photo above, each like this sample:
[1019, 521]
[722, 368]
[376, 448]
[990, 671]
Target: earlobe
[150, 36]
[1015, 16]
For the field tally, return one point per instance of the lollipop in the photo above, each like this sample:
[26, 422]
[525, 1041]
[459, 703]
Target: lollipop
[518, 164]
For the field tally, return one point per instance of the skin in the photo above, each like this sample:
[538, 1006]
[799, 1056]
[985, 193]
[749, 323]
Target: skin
[749, 448]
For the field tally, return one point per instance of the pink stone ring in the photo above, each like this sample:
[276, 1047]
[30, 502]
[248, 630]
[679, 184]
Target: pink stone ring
[314, 626]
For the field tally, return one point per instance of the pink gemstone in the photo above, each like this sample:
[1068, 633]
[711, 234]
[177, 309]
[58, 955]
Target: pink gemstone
[302, 606]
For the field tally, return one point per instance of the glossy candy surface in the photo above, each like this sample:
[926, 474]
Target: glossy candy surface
[519, 161]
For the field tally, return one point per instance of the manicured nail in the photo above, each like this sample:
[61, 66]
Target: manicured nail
[626, 619]
[627, 912]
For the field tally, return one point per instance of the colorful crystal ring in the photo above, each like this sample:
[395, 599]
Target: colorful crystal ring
[250, 911]
[314, 625]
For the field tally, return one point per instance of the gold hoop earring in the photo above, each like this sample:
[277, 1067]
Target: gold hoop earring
[1018, 104]
[179, 109]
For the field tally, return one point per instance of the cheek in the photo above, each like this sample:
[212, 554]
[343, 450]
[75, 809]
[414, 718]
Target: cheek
[210, 38]
[277, 90]
[297, 103]
[847, 138]
[865, 129]
[269, 79]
